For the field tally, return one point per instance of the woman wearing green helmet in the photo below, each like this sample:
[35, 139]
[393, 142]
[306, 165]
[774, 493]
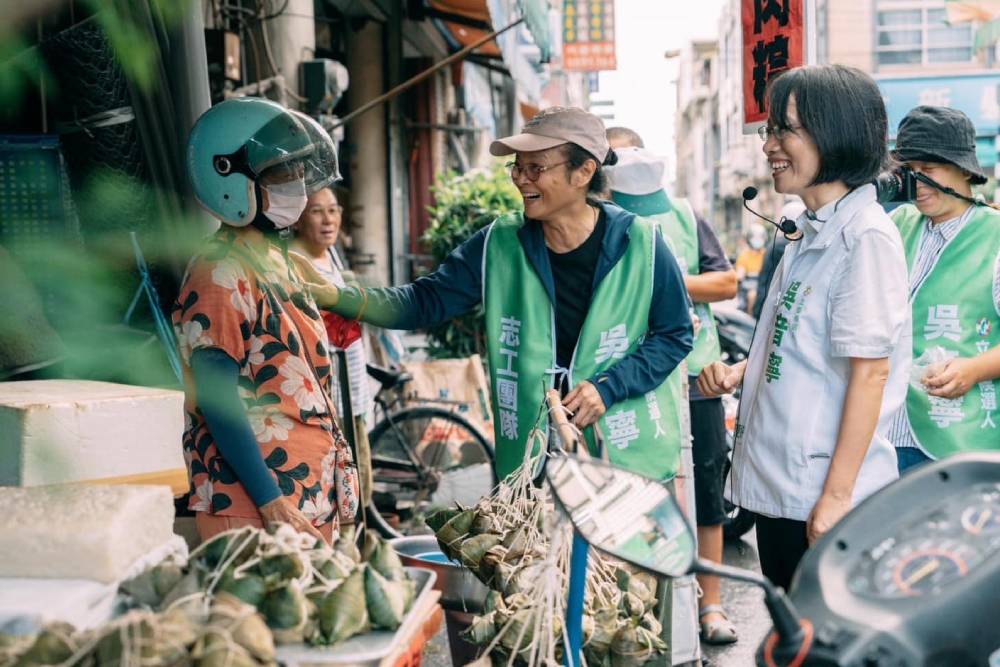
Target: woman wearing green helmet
[261, 442]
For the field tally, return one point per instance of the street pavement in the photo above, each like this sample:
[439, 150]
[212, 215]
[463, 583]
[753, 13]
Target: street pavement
[743, 602]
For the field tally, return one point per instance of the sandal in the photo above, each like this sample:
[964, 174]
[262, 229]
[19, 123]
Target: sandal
[716, 633]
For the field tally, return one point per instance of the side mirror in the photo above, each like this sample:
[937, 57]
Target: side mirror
[626, 516]
[637, 520]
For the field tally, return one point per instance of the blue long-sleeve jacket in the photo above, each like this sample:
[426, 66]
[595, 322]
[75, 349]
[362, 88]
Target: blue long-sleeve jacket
[456, 288]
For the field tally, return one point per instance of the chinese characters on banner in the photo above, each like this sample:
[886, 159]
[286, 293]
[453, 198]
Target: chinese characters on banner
[589, 35]
[773, 41]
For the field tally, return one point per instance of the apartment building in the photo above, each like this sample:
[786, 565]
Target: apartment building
[908, 46]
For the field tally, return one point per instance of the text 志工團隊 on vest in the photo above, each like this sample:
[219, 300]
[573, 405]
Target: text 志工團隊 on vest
[642, 434]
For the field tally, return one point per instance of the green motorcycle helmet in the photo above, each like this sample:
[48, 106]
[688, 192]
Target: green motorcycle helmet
[241, 143]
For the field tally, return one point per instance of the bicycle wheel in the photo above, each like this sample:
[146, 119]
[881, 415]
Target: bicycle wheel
[424, 459]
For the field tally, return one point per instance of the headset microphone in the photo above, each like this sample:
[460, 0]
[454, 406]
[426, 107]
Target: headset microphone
[786, 226]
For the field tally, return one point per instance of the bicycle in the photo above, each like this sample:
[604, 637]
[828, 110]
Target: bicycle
[423, 457]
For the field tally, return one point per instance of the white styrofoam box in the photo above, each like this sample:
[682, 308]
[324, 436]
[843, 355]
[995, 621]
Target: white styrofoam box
[56, 431]
[94, 531]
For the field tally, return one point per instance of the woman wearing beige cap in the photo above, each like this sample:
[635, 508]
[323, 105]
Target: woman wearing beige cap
[578, 294]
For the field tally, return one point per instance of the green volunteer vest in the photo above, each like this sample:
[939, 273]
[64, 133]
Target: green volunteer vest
[680, 228]
[641, 434]
[954, 308]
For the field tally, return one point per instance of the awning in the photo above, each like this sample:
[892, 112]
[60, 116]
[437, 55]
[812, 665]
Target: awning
[476, 26]
[465, 21]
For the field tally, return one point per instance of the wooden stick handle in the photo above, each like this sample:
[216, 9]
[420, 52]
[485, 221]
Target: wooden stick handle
[566, 433]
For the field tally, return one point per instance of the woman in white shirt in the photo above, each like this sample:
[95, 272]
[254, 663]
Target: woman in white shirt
[829, 362]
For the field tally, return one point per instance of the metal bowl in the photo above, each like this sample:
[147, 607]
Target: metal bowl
[460, 589]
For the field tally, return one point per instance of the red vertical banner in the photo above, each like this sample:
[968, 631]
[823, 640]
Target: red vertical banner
[774, 35]
[589, 35]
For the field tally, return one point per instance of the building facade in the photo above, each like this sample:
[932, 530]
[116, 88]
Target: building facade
[697, 127]
[908, 46]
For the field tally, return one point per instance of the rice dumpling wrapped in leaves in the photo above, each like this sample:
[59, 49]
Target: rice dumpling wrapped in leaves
[52, 646]
[516, 542]
[641, 585]
[279, 567]
[452, 533]
[485, 521]
[286, 612]
[386, 600]
[635, 645]
[343, 613]
[333, 567]
[379, 555]
[437, 520]
[519, 631]
[347, 543]
[474, 548]
[235, 635]
[216, 648]
[482, 630]
[239, 545]
[488, 564]
[150, 587]
[189, 585]
[606, 626]
[632, 605]
[131, 639]
[494, 600]
[247, 586]
[651, 623]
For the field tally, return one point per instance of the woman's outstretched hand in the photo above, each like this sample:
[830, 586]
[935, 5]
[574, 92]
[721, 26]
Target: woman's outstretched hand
[325, 294]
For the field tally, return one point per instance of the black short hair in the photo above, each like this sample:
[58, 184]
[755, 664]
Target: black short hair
[576, 158]
[628, 135]
[842, 110]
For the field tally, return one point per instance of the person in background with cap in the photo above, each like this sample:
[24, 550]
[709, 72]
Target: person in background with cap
[953, 254]
[577, 293]
[636, 184]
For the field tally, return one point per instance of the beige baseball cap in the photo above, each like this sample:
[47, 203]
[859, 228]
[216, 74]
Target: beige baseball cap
[555, 126]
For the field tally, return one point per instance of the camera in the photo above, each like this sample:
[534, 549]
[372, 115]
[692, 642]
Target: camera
[896, 186]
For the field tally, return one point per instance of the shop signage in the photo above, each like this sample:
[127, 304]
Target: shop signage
[589, 35]
[774, 36]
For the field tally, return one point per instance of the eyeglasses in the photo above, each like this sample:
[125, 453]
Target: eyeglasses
[336, 208]
[532, 172]
[779, 133]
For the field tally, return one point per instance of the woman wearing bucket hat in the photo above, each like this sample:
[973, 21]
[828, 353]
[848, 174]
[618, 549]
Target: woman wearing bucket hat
[952, 245]
[577, 293]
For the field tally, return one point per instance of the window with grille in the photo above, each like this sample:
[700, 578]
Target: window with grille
[916, 32]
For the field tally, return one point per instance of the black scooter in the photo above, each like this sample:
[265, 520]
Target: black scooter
[909, 578]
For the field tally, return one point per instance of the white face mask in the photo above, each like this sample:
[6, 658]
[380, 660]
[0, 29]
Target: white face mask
[285, 202]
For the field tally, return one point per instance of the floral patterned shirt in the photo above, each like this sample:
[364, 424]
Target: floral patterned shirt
[240, 296]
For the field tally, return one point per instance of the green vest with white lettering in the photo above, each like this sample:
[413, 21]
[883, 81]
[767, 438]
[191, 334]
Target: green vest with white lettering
[954, 309]
[680, 227]
[642, 434]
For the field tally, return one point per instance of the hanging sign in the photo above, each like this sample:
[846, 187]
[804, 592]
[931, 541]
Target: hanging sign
[589, 35]
[774, 36]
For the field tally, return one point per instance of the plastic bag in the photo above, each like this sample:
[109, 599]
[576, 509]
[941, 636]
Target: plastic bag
[931, 362]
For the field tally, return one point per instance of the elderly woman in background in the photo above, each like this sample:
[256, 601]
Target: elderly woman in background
[316, 234]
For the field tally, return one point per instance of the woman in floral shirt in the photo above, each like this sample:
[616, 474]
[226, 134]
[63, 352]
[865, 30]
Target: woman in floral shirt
[261, 443]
